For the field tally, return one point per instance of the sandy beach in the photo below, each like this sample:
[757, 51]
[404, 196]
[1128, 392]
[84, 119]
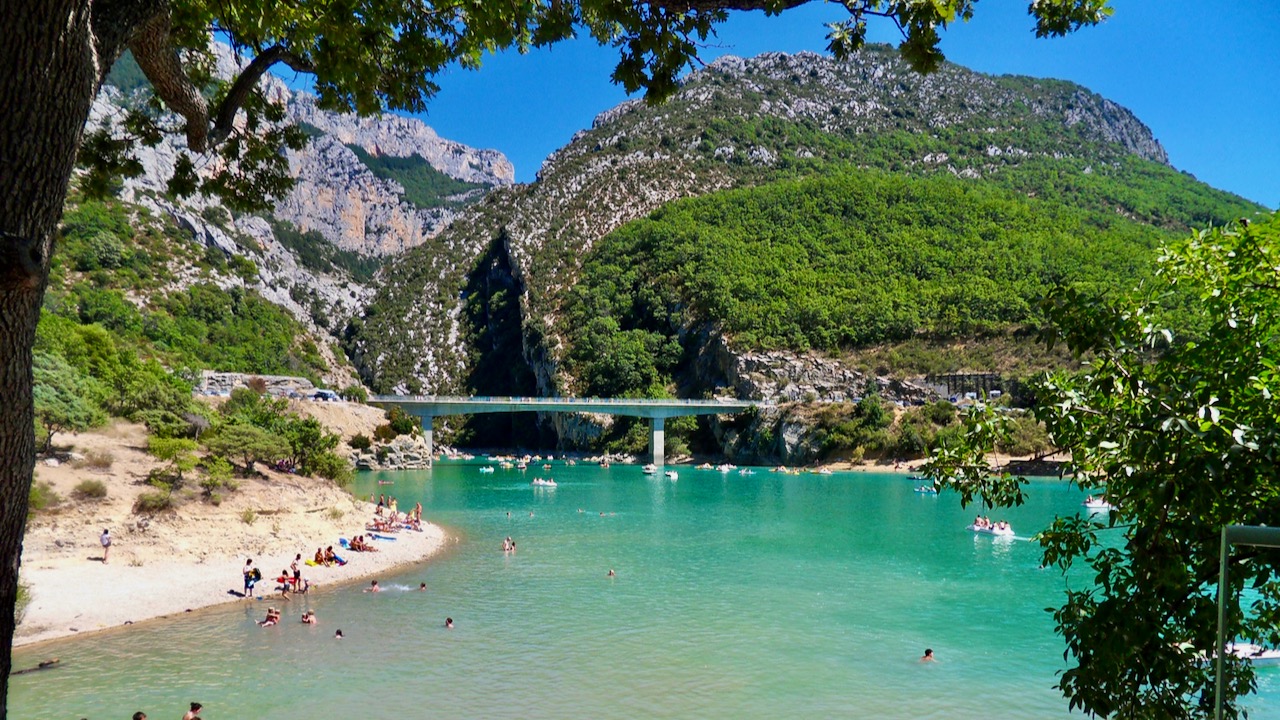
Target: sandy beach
[187, 558]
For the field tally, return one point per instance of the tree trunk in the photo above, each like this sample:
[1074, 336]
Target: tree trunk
[48, 76]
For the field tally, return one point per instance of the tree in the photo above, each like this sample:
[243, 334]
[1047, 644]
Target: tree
[307, 439]
[247, 443]
[384, 56]
[180, 453]
[1183, 436]
[63, 399]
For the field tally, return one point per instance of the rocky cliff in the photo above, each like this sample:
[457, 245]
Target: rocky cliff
[337, 196]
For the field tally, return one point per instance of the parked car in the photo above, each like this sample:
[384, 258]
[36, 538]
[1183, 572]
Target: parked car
[326, 395]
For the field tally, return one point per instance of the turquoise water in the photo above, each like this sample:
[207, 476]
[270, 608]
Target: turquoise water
[749, 597]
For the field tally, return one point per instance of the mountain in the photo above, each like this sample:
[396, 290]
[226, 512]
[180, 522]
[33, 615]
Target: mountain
[365, 189]
[487, 305]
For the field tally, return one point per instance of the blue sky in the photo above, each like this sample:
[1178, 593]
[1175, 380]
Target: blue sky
[1202, 76]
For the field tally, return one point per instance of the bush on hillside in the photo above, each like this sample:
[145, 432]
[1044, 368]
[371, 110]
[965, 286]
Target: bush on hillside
[355, 393]
[360, 441]
[90, 490]
[153, 501]
[42, 497]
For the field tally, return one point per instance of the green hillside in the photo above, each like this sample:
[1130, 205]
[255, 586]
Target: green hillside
[117, 268]
[835, 262]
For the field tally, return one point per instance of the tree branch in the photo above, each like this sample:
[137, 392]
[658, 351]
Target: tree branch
[162, 66]
[714, 5]
[239, 92]
[114, 23]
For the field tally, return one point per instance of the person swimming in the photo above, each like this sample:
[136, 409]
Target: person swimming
[928, 656]
[448, 623]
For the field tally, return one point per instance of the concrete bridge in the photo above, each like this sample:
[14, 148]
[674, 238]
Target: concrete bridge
[428, 407]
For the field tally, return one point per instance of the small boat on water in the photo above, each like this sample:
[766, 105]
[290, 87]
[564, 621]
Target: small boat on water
[487, 469]
[746, 471]
[672, 475]
[539, 482]
[1004, 530]
[650, 469]
[522, 465]
[927, 490]
[705, 466]
[1257, 655]
[824, 471]
[726, 467]
[1098, 504]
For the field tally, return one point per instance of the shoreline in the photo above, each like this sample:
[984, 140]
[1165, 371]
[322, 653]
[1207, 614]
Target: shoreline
[142, 586]
[127, 593]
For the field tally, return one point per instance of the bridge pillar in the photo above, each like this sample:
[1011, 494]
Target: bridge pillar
[658, 440]
[427, 421]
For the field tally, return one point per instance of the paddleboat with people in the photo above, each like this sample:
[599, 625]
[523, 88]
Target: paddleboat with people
[985, 526]
[540, 482]
[1098, 504]
[649, 469]
[672, 475]
[1257, 655]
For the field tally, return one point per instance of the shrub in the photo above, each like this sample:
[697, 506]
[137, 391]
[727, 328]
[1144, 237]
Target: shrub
[335, 514]
[42, 497]
[360, 441]
[355, 393]
[90, 490]
[248, 516]
[153, 501]
[23, 600]
[256, 384]
[99, 459]
[328, 465]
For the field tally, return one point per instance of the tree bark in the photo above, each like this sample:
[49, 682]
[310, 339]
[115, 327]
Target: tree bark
[48, 76]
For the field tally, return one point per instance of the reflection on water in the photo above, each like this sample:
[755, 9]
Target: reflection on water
[759, 596]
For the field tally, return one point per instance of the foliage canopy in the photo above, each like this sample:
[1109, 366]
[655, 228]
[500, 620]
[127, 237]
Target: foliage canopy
[1181, 435]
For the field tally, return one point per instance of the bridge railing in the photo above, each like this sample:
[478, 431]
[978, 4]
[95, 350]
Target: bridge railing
[651, 402]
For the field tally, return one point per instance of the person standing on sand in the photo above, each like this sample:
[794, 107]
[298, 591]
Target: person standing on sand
[105, 539]
[297, 573]
[249, 577]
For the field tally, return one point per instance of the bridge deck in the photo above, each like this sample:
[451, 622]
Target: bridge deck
[434, 405]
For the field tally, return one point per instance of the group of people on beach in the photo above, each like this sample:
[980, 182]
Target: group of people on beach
[392, 519]
[326, 558]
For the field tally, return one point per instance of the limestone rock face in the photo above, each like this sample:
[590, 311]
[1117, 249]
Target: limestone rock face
[335, 194]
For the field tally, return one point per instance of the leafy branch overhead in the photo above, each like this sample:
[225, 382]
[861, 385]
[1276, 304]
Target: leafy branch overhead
[385, 54]
[1180, 433]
